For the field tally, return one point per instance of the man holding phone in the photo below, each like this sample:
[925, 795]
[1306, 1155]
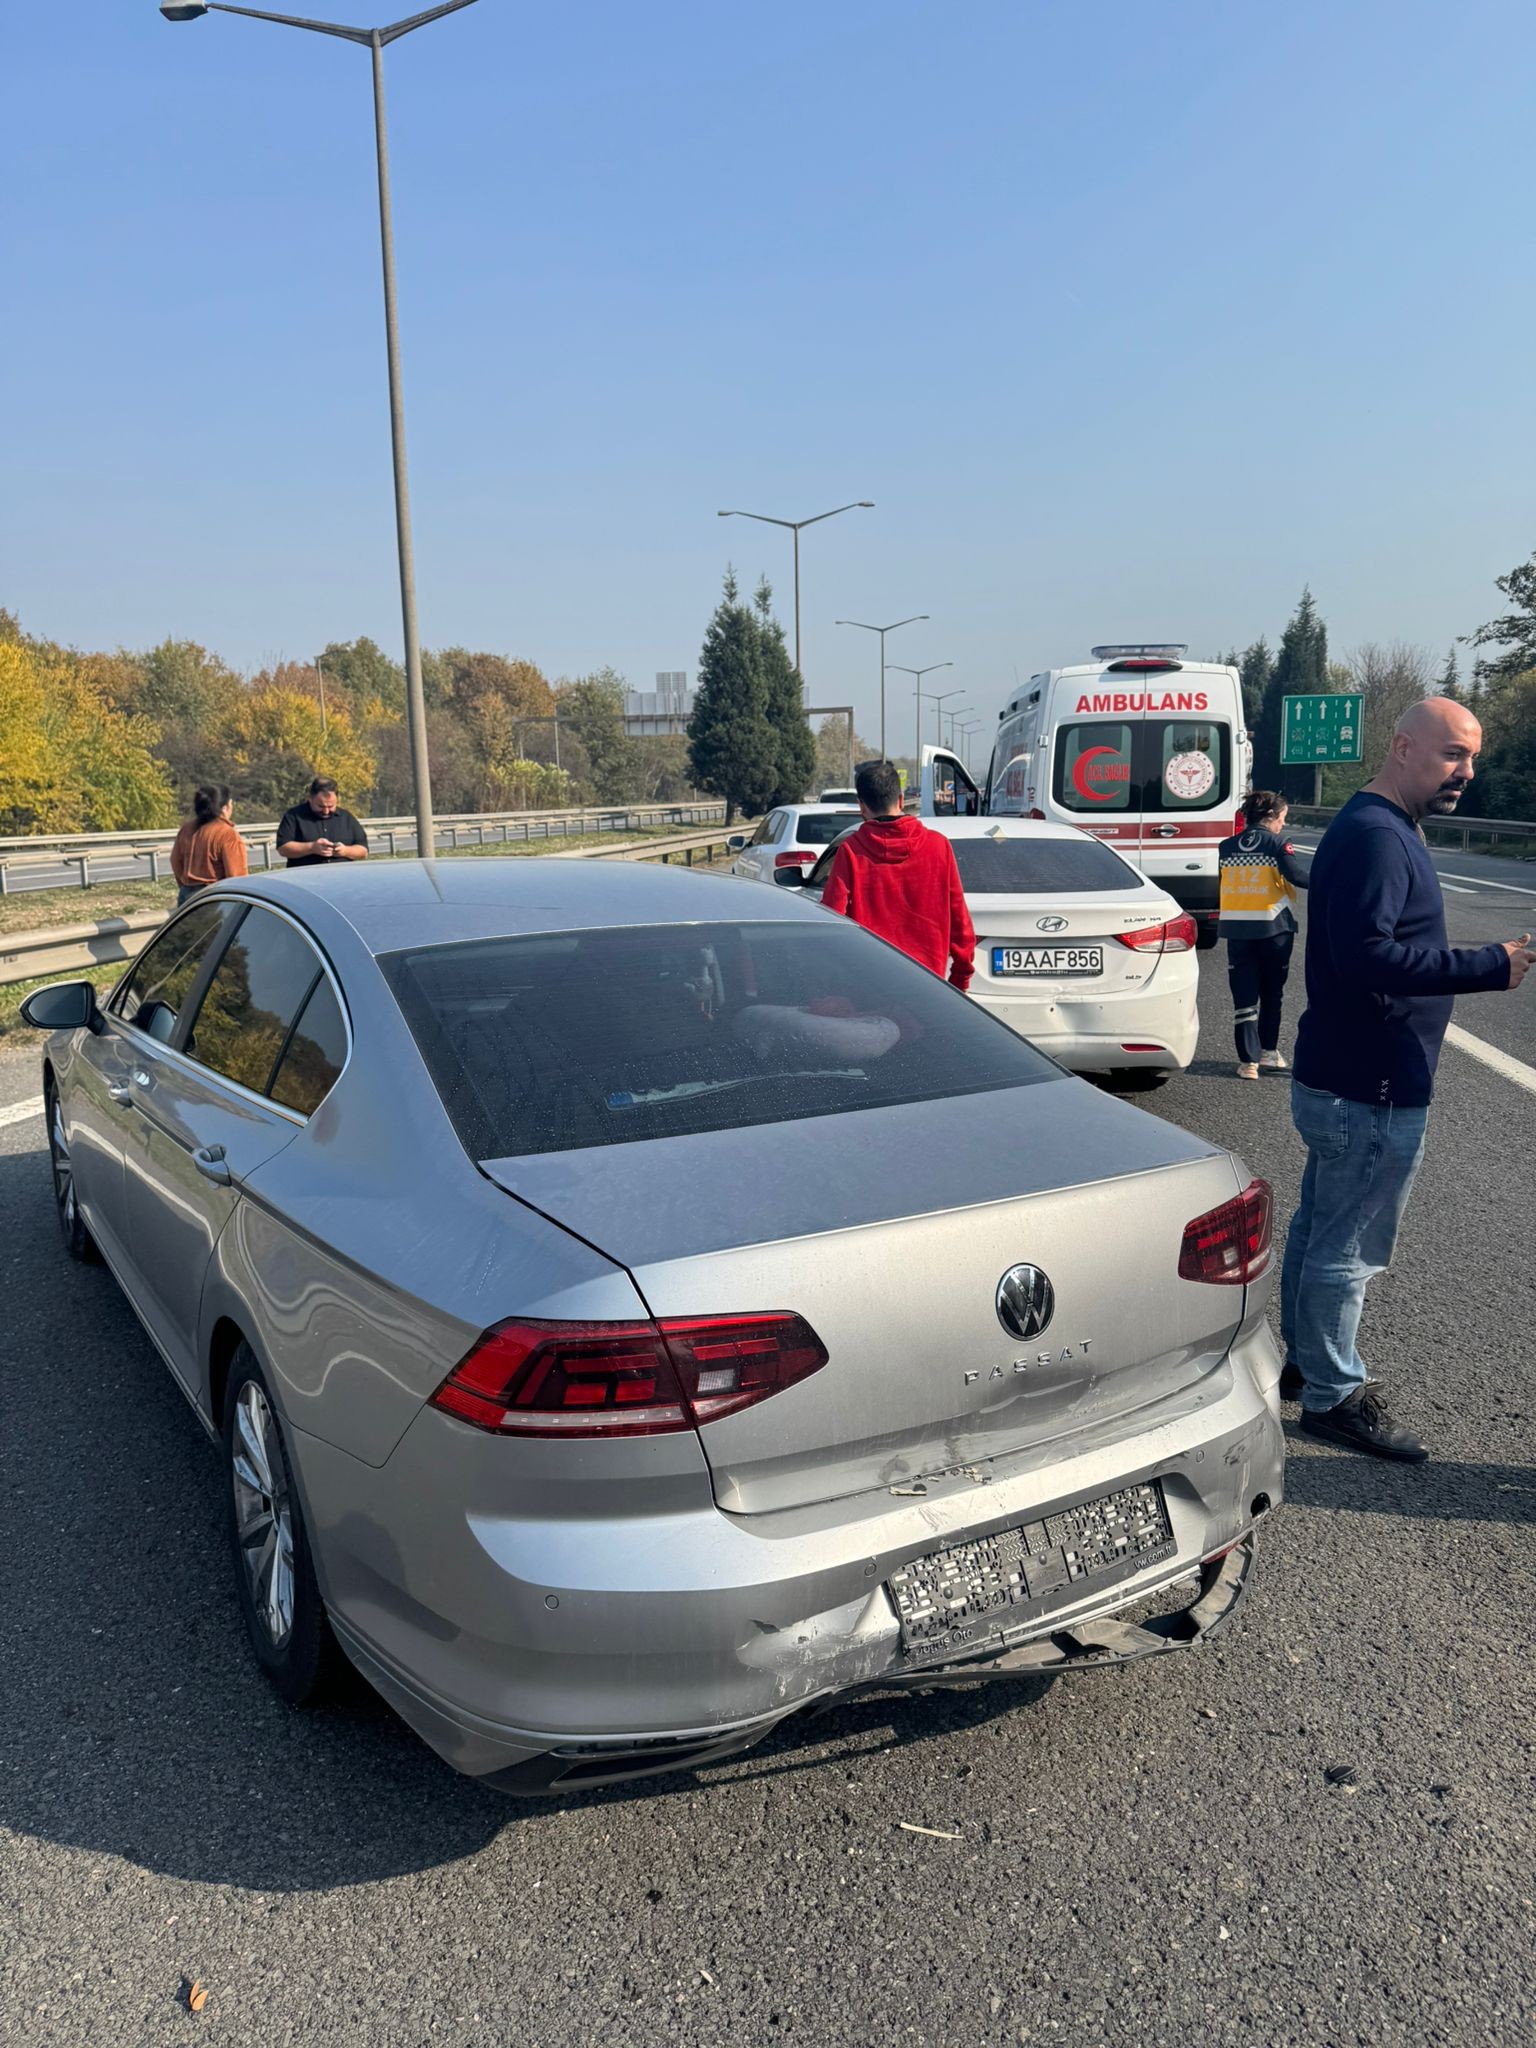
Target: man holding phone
[319, 831]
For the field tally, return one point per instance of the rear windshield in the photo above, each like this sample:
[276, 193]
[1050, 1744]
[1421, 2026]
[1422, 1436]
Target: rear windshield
[820, 828]
[1039, 867]
[1148, 765]
[575, 1039]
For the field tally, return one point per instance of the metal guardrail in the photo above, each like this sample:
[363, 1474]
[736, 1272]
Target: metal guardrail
[30, 956]
[33, 956]
[1464, 835]
[149, 852]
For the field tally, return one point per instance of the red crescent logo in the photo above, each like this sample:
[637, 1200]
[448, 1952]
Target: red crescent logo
[1080, 776]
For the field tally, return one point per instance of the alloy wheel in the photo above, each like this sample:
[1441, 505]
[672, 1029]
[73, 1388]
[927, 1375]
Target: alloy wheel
[63, 1168]
[263, 1513]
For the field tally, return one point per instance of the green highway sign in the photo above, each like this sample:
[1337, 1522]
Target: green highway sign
[1322, 729]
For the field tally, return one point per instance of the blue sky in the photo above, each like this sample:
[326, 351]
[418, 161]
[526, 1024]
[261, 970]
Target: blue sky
[1130, 318]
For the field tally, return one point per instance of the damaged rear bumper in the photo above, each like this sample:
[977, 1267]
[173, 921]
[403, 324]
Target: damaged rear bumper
[1100, 1644]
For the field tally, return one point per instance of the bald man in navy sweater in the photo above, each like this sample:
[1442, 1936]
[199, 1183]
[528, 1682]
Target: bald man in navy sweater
[1381, 981]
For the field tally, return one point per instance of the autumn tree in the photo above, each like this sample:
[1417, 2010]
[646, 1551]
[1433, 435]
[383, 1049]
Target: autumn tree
[271, 742]
[70, 760]
[362, 672]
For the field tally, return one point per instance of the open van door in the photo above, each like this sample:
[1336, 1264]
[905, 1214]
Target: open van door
[948, 788]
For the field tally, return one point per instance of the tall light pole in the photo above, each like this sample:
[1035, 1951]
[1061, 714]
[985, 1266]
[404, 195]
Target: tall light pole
[882, 631]
[965, 740]
[794, 525]
[375, 39]
[917, 675]
[938, 712]
[958, 711]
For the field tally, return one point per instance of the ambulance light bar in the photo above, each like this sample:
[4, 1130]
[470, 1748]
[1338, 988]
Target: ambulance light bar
[1166, 651]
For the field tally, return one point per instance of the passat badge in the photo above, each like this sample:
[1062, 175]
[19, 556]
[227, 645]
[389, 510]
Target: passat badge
[1026, 1301]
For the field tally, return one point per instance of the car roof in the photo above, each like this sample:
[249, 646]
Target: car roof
[1006, 828]
[801, 810]
[392, 904]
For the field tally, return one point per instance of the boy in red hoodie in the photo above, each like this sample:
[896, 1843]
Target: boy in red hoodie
[899, 880]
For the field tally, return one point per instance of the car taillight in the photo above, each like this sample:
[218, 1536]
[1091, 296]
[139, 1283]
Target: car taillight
[1179, 935]
[1230, 1246]
[626, 1379]
[793, 860]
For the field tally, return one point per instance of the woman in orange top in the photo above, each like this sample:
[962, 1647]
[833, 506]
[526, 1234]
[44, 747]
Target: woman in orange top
[207, 848]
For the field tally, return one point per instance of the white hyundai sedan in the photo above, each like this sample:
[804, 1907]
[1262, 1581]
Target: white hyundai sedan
[1076, 950]
[792, 836]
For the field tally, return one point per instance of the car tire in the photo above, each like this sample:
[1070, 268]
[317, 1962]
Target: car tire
[275, 1579]
[78, 1241]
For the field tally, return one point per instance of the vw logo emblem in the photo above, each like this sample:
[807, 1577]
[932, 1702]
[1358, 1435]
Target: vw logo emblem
[1050, 924]
[1026, 1301]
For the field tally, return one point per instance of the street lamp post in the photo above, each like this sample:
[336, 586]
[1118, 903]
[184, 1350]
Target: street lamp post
[882, 631]
[374, 39]
[794, 525]
[959, 711]
[965, 740]
[938, 702]
[917, 675]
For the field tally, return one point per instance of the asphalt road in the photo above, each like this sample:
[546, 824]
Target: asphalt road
[1144, 1858]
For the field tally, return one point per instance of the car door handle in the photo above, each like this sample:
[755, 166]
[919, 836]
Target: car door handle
[210, 1163]
[1167, 832]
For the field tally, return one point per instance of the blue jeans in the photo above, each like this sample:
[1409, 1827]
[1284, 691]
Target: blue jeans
[1361, 1160]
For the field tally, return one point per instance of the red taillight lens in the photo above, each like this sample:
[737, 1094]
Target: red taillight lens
[793, 860]
[626, 1379]
[1230, 1246]
[1178, 935]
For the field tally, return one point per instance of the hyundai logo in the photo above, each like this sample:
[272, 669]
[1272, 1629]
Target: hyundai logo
[1026, 1301]
[1050, 924]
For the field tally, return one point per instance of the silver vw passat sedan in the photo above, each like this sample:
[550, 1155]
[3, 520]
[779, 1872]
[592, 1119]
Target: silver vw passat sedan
[633, 1308]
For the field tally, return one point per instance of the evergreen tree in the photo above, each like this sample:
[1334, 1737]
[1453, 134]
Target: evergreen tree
[1300, 670]
[1515, 632]
[732, 747]
[784, 692]
[1448, 682]
[1254, 667]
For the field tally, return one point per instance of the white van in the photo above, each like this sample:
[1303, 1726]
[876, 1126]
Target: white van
[1139, 746]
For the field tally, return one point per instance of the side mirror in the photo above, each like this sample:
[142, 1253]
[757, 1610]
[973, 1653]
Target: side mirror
[62, 1006]
[790, 878]
[736, 841]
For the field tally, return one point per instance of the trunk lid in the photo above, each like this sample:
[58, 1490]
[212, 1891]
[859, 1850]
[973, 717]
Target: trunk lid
[889, 1231]
[1067, 930]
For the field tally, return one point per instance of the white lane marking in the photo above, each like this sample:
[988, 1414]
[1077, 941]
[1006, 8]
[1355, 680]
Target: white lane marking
[18, 1112]
[1503, 1063]
[1485, 882]
[1456, 889]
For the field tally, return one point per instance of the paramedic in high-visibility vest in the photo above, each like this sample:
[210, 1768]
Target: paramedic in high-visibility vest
[1260, 874]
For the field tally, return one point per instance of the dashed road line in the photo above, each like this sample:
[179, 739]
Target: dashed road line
[1503, 1063]
[18, 1112]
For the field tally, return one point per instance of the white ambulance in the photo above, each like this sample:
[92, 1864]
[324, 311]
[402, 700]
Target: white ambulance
[1142, 748]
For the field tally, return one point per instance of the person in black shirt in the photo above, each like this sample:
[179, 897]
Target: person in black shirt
[319, 830]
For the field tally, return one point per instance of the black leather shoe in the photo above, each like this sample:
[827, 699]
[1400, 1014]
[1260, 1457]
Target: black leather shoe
[1364, 1423]
[1292, 1385]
